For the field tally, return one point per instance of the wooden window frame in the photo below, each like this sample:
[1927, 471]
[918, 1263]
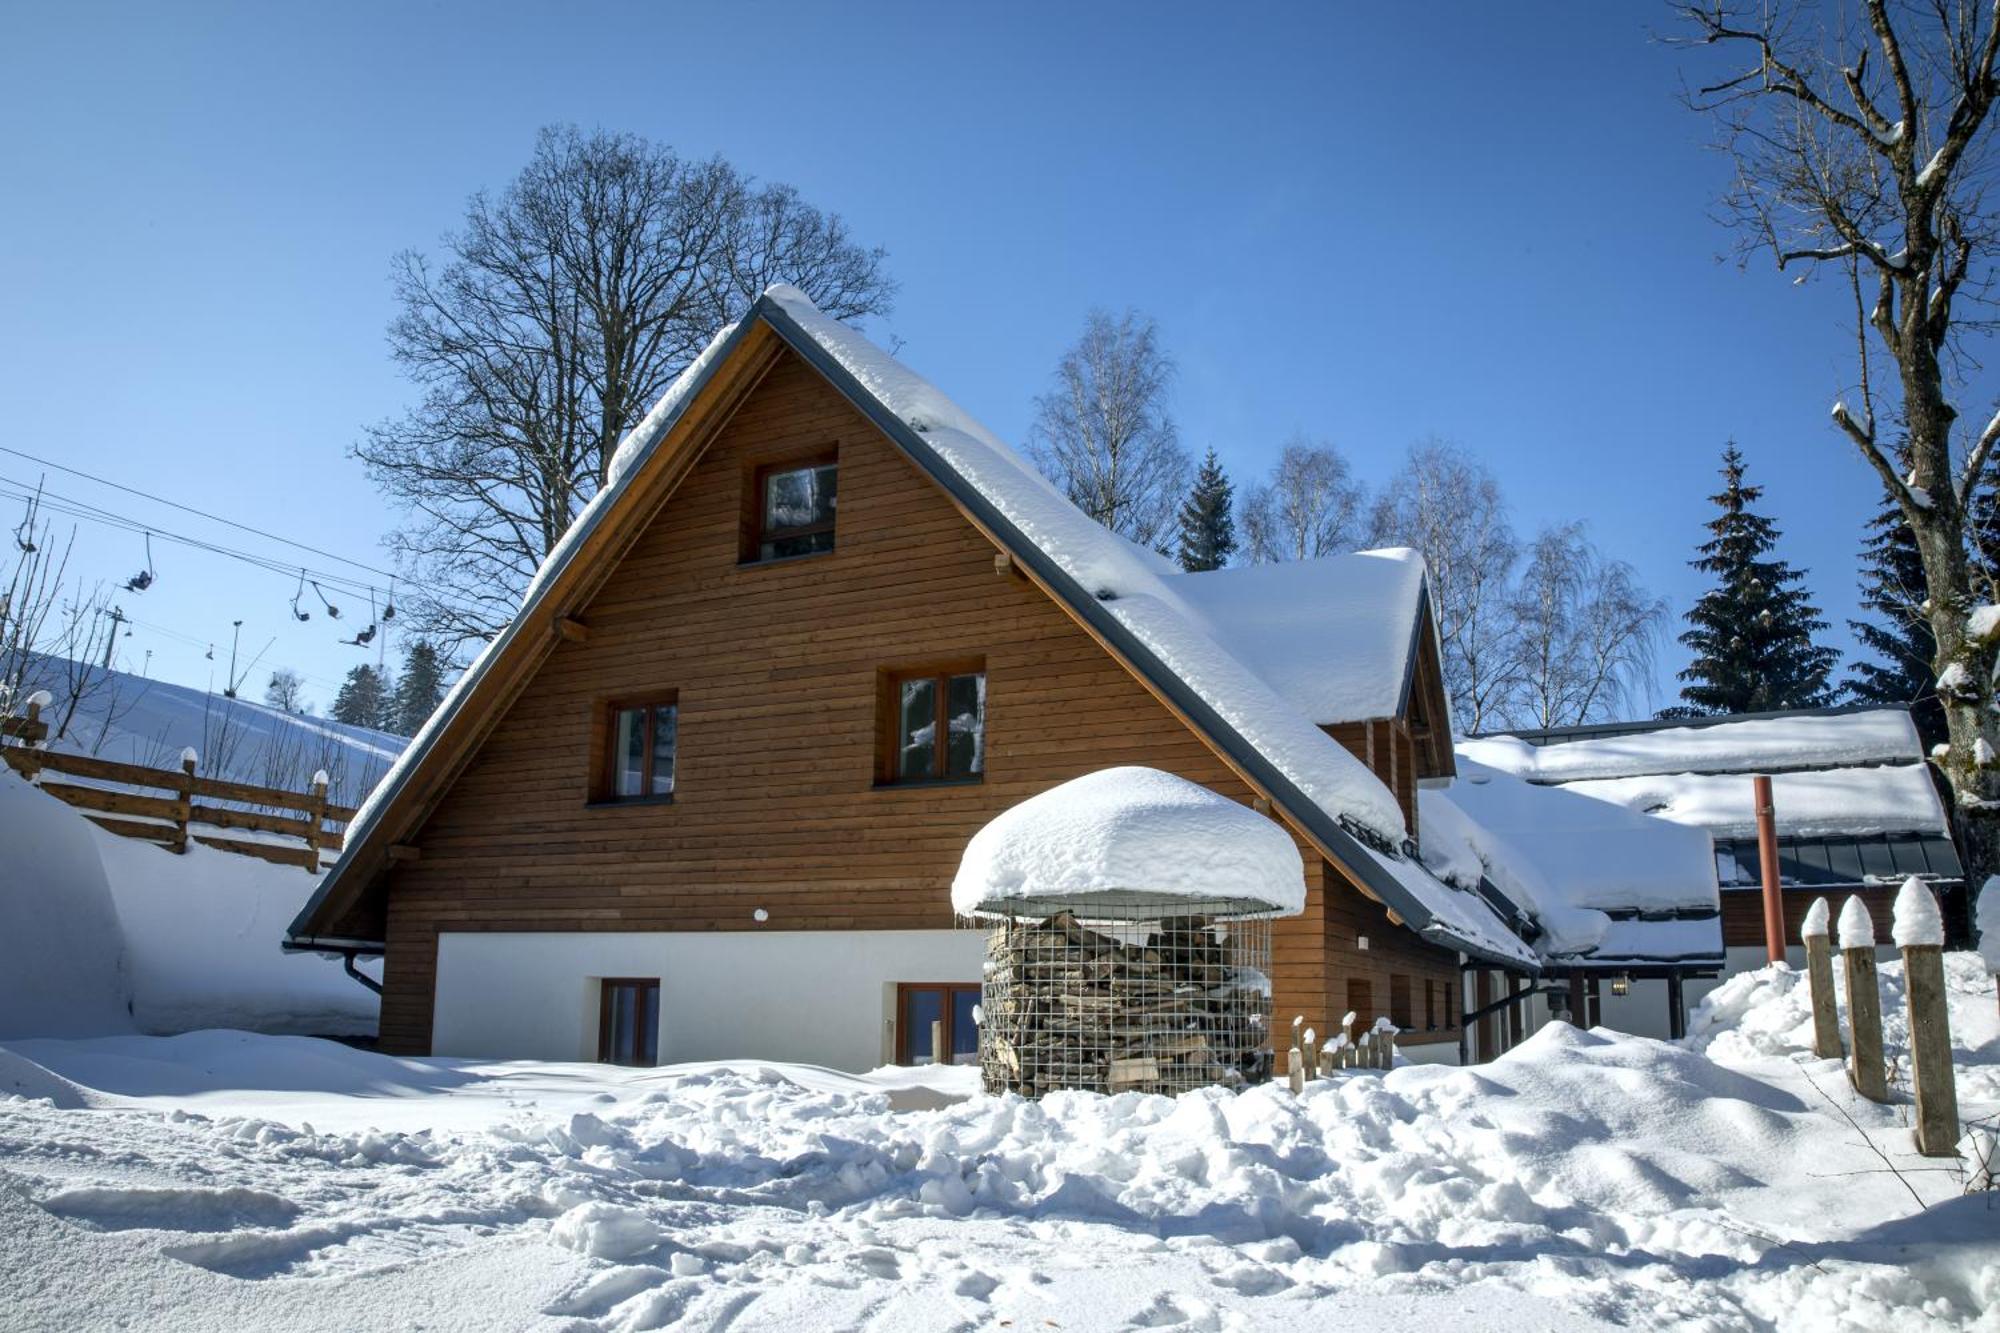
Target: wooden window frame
[904, 989]
[759, 471]
[604, 747]
[605, 986]
[889, 710]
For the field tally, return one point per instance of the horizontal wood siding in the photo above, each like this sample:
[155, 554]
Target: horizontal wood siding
[1743, 912]
[775, 804]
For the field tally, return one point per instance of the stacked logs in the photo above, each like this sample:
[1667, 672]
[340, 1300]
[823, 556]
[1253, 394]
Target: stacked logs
[1170, 1008]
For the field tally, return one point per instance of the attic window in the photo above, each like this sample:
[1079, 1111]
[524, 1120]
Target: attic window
[795, 508]
[640, 737]
[933, 724]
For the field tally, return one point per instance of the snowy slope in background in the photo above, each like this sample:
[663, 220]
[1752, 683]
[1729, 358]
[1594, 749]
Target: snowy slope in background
[1583, 1180]
[133, 720]
[100, 934]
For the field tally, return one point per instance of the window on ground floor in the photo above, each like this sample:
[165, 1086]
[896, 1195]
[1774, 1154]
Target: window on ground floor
[1399, 1002]
[1361, 1001]
[932, 1018]
[628, 1021]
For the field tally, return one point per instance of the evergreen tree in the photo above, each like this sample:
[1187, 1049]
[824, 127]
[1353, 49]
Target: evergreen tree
[420, 689]
[1892, 592]
[1752, 634]
[1208, 529]
[363, 699]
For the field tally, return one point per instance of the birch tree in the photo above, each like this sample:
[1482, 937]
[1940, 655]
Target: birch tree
[1311, 506]
[1863, 150]
[1584, 632]
[1445, 504]
[1103, 432]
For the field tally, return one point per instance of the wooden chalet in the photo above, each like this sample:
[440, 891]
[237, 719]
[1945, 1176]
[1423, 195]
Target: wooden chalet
[706, 795]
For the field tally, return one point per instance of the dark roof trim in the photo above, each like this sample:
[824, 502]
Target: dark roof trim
[297, 935]
[1085, 605]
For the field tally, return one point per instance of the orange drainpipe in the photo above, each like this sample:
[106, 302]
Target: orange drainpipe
[1767, 859]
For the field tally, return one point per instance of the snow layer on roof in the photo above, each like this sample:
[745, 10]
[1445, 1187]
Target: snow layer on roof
[1130, 831]
[1331, 636]
[1572, 861]
[1460, 913]
[1771, 744]
[1852, 801]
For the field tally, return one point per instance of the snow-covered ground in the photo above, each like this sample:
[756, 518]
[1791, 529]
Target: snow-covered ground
[1585, 1180]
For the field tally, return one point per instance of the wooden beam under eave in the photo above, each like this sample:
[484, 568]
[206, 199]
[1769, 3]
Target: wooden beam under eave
[572, 629]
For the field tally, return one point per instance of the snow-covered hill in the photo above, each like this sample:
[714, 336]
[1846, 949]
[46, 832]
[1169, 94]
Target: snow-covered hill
[118, 715]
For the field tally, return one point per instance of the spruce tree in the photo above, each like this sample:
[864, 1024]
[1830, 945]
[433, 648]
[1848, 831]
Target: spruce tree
[1752, 634]
[420, 689]
[1208, 528]
[363, 698]
[1892, 592]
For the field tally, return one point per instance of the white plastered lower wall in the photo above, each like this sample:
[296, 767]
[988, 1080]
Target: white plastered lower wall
[817, 997]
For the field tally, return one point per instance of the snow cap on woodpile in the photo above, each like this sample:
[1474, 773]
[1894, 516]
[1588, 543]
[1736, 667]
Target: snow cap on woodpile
[1122, 836]
[1915, 920]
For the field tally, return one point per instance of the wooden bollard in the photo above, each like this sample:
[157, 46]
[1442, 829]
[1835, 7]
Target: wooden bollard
[1309, 1049]
[1864, 1003]
[1349, 1048]
[1364, 1051]
[1918, 930]
[1295, 1067]
[316, 820]
[1814, 934]
[184, 799]
[1327, 1055]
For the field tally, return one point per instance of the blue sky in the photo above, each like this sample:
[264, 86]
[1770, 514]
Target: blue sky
[1481, 222]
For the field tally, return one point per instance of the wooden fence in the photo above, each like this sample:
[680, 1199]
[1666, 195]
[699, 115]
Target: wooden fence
[173, 807]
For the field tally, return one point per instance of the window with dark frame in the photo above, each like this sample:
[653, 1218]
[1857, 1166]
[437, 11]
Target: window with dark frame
[939, 726]
[795, 509]
[628, 1021]
[641, 737]
[943, 1012]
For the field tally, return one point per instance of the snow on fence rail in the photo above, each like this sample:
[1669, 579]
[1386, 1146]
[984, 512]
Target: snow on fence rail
[107, 798]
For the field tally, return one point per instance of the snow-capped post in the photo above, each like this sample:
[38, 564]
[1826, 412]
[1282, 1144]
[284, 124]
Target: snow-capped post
[1864, 1003]
[316, 820]
[184, 799]
[1295, 1063]
[1329, 1054]
[1310, 1049]
[1988, 925]
[1815, 934]
[1919, 932]
[1349, 1047]
[31, 731]
[1767, 863]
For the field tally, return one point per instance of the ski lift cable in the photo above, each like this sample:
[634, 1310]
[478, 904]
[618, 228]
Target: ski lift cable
[190, 509]
[72, 508]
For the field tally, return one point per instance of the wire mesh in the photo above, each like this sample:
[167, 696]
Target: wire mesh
[1155, 995]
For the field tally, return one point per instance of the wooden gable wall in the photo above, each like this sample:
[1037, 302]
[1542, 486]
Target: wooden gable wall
[776, 668]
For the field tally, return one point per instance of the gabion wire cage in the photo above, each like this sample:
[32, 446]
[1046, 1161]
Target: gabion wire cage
[1131, 993]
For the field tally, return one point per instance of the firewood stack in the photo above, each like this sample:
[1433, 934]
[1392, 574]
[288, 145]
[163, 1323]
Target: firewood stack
[1176, 1003]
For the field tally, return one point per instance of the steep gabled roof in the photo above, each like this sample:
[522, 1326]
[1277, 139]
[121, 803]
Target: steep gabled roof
[1123, 595]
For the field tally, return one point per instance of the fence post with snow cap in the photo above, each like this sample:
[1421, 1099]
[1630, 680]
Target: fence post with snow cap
[1864, 1003]
[1310, 1049]
[1988, 925]
[1815, 934]
[184, 799]
[1918, 930]
[316, 819]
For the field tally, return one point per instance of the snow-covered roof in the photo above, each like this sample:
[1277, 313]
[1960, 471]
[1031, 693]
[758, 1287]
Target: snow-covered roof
[1815, 803]
[1124, 591]
[1124, 836]
[1604, 884]
[1771, 744]
[1334, 637]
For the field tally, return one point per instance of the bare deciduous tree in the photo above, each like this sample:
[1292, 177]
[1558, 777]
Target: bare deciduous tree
[562, 310]
[1584, 632]
[1103, 432]
[51, 632]
[1311, 507]
[1862, 144]
[1444, 503]
[286, 691]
